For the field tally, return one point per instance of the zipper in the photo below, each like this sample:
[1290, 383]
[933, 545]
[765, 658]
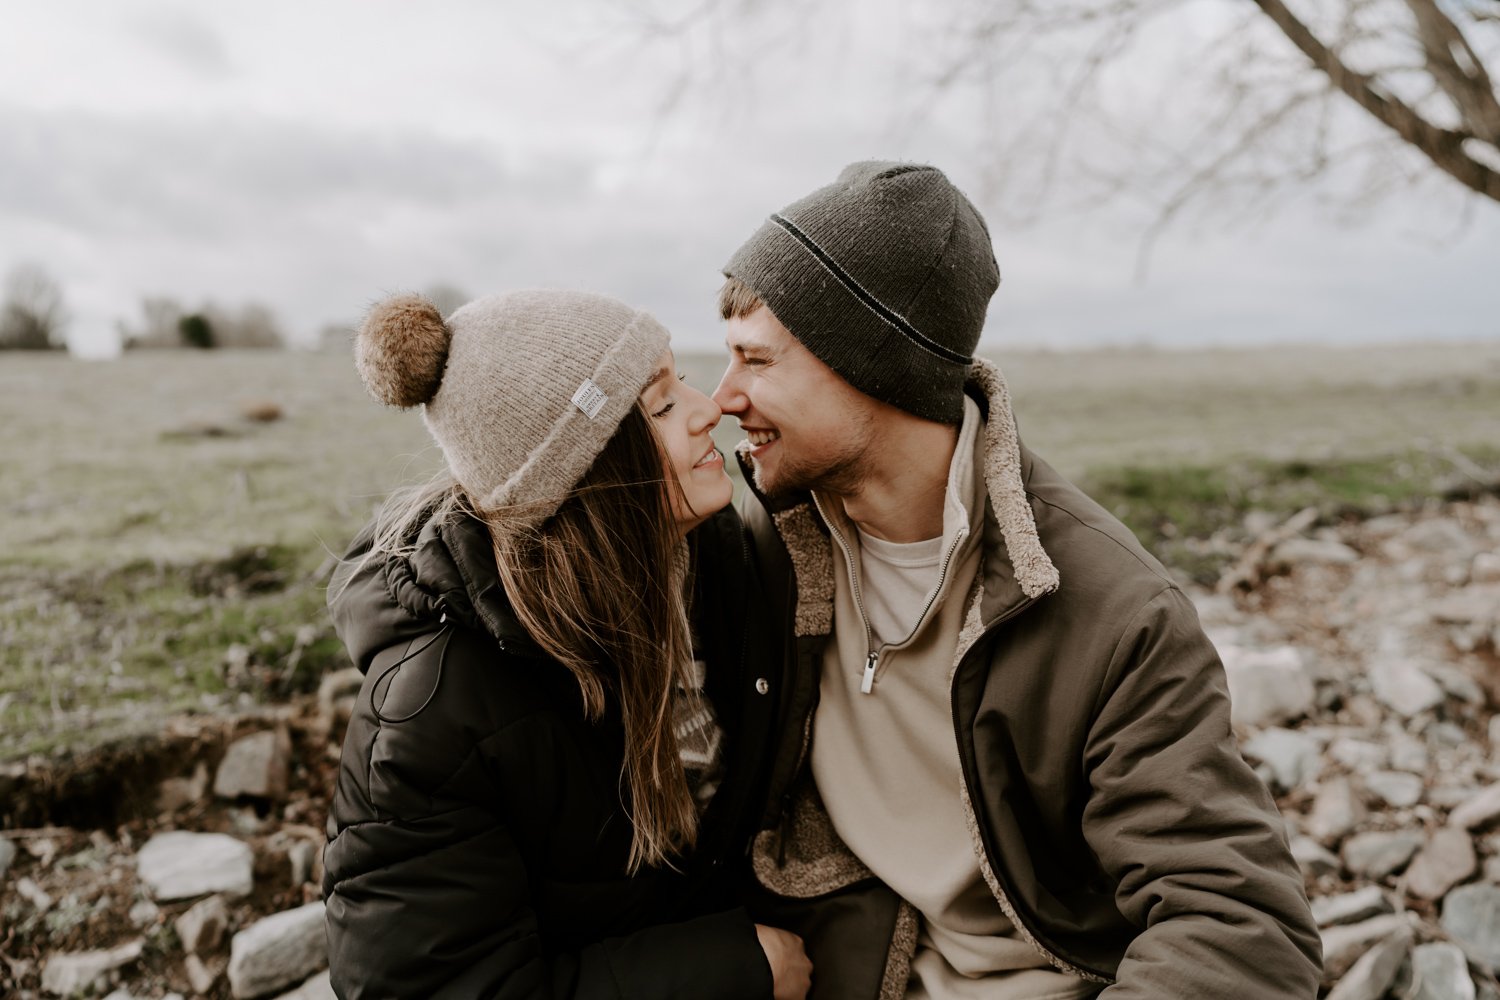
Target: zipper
[872, 654]
[1001, 896]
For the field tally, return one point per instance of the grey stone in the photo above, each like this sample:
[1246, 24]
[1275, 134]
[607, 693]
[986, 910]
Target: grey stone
[1395, 788]
[1361, 756]
[336, 685]
[1403, 688]
[1377, 854]
[202, 927]
[277, 951]
[316, 988]
[44, 849]
[1408, 753]
[1446, 860]
[1438, 536]
[33, 894]
[178, 793]
[1266, 686]
[180, 865]
[1291, 756]
[1479, 810]
[1372, 976]
[202, 976]
[1351, 907]
[1471, 914]
[79, 972]
[1456, 683]
[1313, 858]
[255, 765]
[144, 912]
[7, 855]
[1346, 942]
[1485, 568]
[1451, 796]
[1476, 604]
[1447, 734]
[1492, 868]
[1336, 811]
[1439, 971]
[300, 856]
[1312, 552]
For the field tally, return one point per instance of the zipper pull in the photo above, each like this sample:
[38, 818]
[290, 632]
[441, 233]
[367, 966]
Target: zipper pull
[868, 681]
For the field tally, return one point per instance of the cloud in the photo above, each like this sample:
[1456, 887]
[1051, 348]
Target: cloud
[184, 40]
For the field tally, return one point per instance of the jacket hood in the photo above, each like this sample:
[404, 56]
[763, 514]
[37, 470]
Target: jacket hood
[378, 600]
[1034, 571]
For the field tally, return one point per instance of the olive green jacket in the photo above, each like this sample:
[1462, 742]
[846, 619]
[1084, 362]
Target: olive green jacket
[1112, 814]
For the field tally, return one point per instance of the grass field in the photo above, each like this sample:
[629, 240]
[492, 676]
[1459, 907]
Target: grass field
[160, 552]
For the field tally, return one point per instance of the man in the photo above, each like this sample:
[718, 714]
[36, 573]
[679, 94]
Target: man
[1009, 771]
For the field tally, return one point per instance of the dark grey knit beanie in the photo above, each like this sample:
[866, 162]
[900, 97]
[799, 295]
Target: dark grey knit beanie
[885, 276]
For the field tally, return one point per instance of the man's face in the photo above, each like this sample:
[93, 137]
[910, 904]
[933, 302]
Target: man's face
[808, 427]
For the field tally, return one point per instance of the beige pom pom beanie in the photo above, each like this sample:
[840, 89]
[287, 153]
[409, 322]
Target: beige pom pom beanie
[520, 390]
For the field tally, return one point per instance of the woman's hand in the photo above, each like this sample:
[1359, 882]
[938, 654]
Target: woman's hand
[791, 969]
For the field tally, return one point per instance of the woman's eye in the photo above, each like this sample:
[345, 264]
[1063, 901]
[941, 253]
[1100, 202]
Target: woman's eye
[665, 409]
[682, 376]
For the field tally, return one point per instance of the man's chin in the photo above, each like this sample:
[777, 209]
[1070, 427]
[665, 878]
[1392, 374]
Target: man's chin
[765, 482]
[771, 483]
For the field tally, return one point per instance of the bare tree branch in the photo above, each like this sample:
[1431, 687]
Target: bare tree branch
[1458, 70]
[1443, 147]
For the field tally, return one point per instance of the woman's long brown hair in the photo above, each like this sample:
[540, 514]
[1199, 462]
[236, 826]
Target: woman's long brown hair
[599, 587]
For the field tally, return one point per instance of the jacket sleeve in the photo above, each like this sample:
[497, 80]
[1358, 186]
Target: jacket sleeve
[1186, 829]
[452, 922]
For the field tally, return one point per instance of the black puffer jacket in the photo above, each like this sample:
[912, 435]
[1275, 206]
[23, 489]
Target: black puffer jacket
[478, 849]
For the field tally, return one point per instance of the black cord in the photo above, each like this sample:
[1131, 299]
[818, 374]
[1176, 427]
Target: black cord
[446, 633]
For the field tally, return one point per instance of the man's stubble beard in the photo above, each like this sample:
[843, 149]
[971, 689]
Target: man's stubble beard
[842, 476]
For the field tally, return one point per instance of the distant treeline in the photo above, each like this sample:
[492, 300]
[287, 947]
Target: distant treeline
[166, 323]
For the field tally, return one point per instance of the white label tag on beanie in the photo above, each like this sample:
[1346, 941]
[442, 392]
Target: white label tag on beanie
[590, 398]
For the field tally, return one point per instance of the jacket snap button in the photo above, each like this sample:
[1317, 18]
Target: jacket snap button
[762, 685]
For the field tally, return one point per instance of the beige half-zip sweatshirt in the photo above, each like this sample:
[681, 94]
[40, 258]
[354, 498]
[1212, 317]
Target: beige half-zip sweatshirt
[885, 757]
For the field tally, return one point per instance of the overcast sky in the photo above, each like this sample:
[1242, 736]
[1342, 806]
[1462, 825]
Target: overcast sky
[313, 157]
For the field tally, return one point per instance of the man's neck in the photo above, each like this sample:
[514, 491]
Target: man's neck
[900, 498]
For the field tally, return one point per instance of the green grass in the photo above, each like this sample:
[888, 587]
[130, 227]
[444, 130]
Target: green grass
[138, 551]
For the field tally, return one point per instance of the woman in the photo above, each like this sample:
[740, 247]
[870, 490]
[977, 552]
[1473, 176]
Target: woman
[553, 771]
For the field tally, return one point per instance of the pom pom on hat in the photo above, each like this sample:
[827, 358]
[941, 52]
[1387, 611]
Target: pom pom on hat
[402, 349]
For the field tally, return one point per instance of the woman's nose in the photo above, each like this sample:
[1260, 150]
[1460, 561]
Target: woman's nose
[707, 413]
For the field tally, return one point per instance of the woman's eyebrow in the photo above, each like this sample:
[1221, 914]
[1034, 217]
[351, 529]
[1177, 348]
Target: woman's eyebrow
[656, 377]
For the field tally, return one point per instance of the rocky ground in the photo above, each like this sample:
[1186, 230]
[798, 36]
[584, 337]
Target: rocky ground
[1363, 659]
[202, 883]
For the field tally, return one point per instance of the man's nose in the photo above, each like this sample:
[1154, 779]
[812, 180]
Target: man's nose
[728, 395]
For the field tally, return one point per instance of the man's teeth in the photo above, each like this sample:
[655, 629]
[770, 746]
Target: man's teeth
[759, 438]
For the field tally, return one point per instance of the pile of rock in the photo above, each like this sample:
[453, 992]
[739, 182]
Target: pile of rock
[1363, 678]
[205, 912]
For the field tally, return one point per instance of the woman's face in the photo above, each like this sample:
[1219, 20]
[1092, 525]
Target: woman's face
[683, 417]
